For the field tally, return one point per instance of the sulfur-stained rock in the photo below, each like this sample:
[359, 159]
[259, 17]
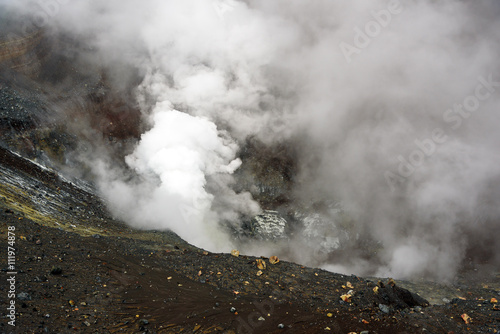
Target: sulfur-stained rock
[235, 252]
[274, 259]
[261, 264]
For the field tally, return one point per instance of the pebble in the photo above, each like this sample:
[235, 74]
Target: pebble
[232, 309]
[56, 271]
[281, 326]
[384, 308]
[24, 296]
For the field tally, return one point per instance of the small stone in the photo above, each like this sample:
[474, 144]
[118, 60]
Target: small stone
[86, 323]
[274, 259]
[143, 322]
[71, 303]
[418, 308]
[364, 332]
[384, 308]
[261, 319]
[235, 252]
[56, 271]
[232, 309]
[346, 298]
[261, 264]
[281, 326]
[24, 296]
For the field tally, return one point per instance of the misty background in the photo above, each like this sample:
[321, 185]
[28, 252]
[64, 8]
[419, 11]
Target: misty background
[394, 133]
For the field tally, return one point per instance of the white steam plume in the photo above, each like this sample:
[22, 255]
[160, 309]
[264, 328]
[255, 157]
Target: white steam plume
[370, 89]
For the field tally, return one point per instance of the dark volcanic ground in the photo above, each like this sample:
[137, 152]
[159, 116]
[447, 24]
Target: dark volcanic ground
[81, 271]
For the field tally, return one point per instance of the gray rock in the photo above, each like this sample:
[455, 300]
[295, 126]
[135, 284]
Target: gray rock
[384, 308]
[269, 225]
[24, 296]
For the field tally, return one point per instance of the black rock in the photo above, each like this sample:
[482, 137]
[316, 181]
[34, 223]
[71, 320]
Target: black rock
[56, 271]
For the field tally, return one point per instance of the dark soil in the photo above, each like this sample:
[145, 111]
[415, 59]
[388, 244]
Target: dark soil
[124, 281]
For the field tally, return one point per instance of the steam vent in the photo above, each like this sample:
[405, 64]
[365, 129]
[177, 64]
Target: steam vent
[249, 167]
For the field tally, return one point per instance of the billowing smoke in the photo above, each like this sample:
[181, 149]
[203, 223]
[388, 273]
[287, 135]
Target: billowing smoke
[393, 107]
